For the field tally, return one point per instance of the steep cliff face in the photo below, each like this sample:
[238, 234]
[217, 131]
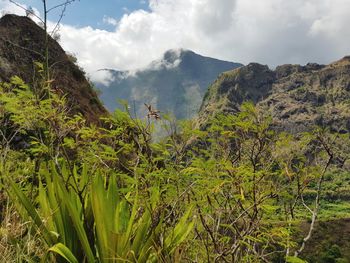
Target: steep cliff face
[22, 44]
[176, 83]
[297, 97]
[226, 94]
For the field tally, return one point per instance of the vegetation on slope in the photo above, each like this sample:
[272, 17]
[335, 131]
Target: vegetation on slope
[22, 44]
[297, 97]
[234, 192]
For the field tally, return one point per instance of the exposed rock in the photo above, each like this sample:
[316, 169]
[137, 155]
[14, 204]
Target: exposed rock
[297, 97]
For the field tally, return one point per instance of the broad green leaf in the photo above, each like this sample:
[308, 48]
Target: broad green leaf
[26, 203]
[63, 251]
[290, 259]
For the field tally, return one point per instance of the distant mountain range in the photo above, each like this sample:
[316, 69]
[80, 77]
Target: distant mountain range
[175, 84]
[297, 97]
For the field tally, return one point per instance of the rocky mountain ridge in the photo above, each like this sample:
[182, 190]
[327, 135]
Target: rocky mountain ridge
[297, 97]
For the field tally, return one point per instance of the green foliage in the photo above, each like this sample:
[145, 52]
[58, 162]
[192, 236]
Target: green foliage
[332, 255]
[63, 251]
[295, 260]
[228, 192]
[87, 221]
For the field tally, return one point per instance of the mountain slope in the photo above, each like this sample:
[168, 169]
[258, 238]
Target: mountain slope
[297, 97]
[176, 83]
[22, 44]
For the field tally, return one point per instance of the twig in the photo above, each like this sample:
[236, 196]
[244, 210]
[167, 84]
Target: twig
[68, 2]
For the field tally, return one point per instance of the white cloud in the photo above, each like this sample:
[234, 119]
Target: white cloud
[104, 77]
[267, 31]
[9, 8]
[166, 63]
[110, 21]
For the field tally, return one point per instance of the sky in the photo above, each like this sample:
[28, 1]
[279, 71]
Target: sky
[129, 34]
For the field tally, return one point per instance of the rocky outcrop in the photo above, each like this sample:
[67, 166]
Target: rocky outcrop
[297, 97]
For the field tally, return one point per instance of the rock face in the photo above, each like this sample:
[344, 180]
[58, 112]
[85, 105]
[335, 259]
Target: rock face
[22, 44]
[297, 97]
[176, 83]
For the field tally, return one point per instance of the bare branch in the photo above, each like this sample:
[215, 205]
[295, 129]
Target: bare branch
[64, 5]
[68, 2]
[314, 212]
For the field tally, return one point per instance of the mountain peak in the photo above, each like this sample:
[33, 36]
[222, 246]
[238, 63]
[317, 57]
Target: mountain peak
[174, 54]
[24, 43]
[11, 20]
[174, 83]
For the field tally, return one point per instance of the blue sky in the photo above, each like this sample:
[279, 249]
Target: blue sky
[91, 12]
